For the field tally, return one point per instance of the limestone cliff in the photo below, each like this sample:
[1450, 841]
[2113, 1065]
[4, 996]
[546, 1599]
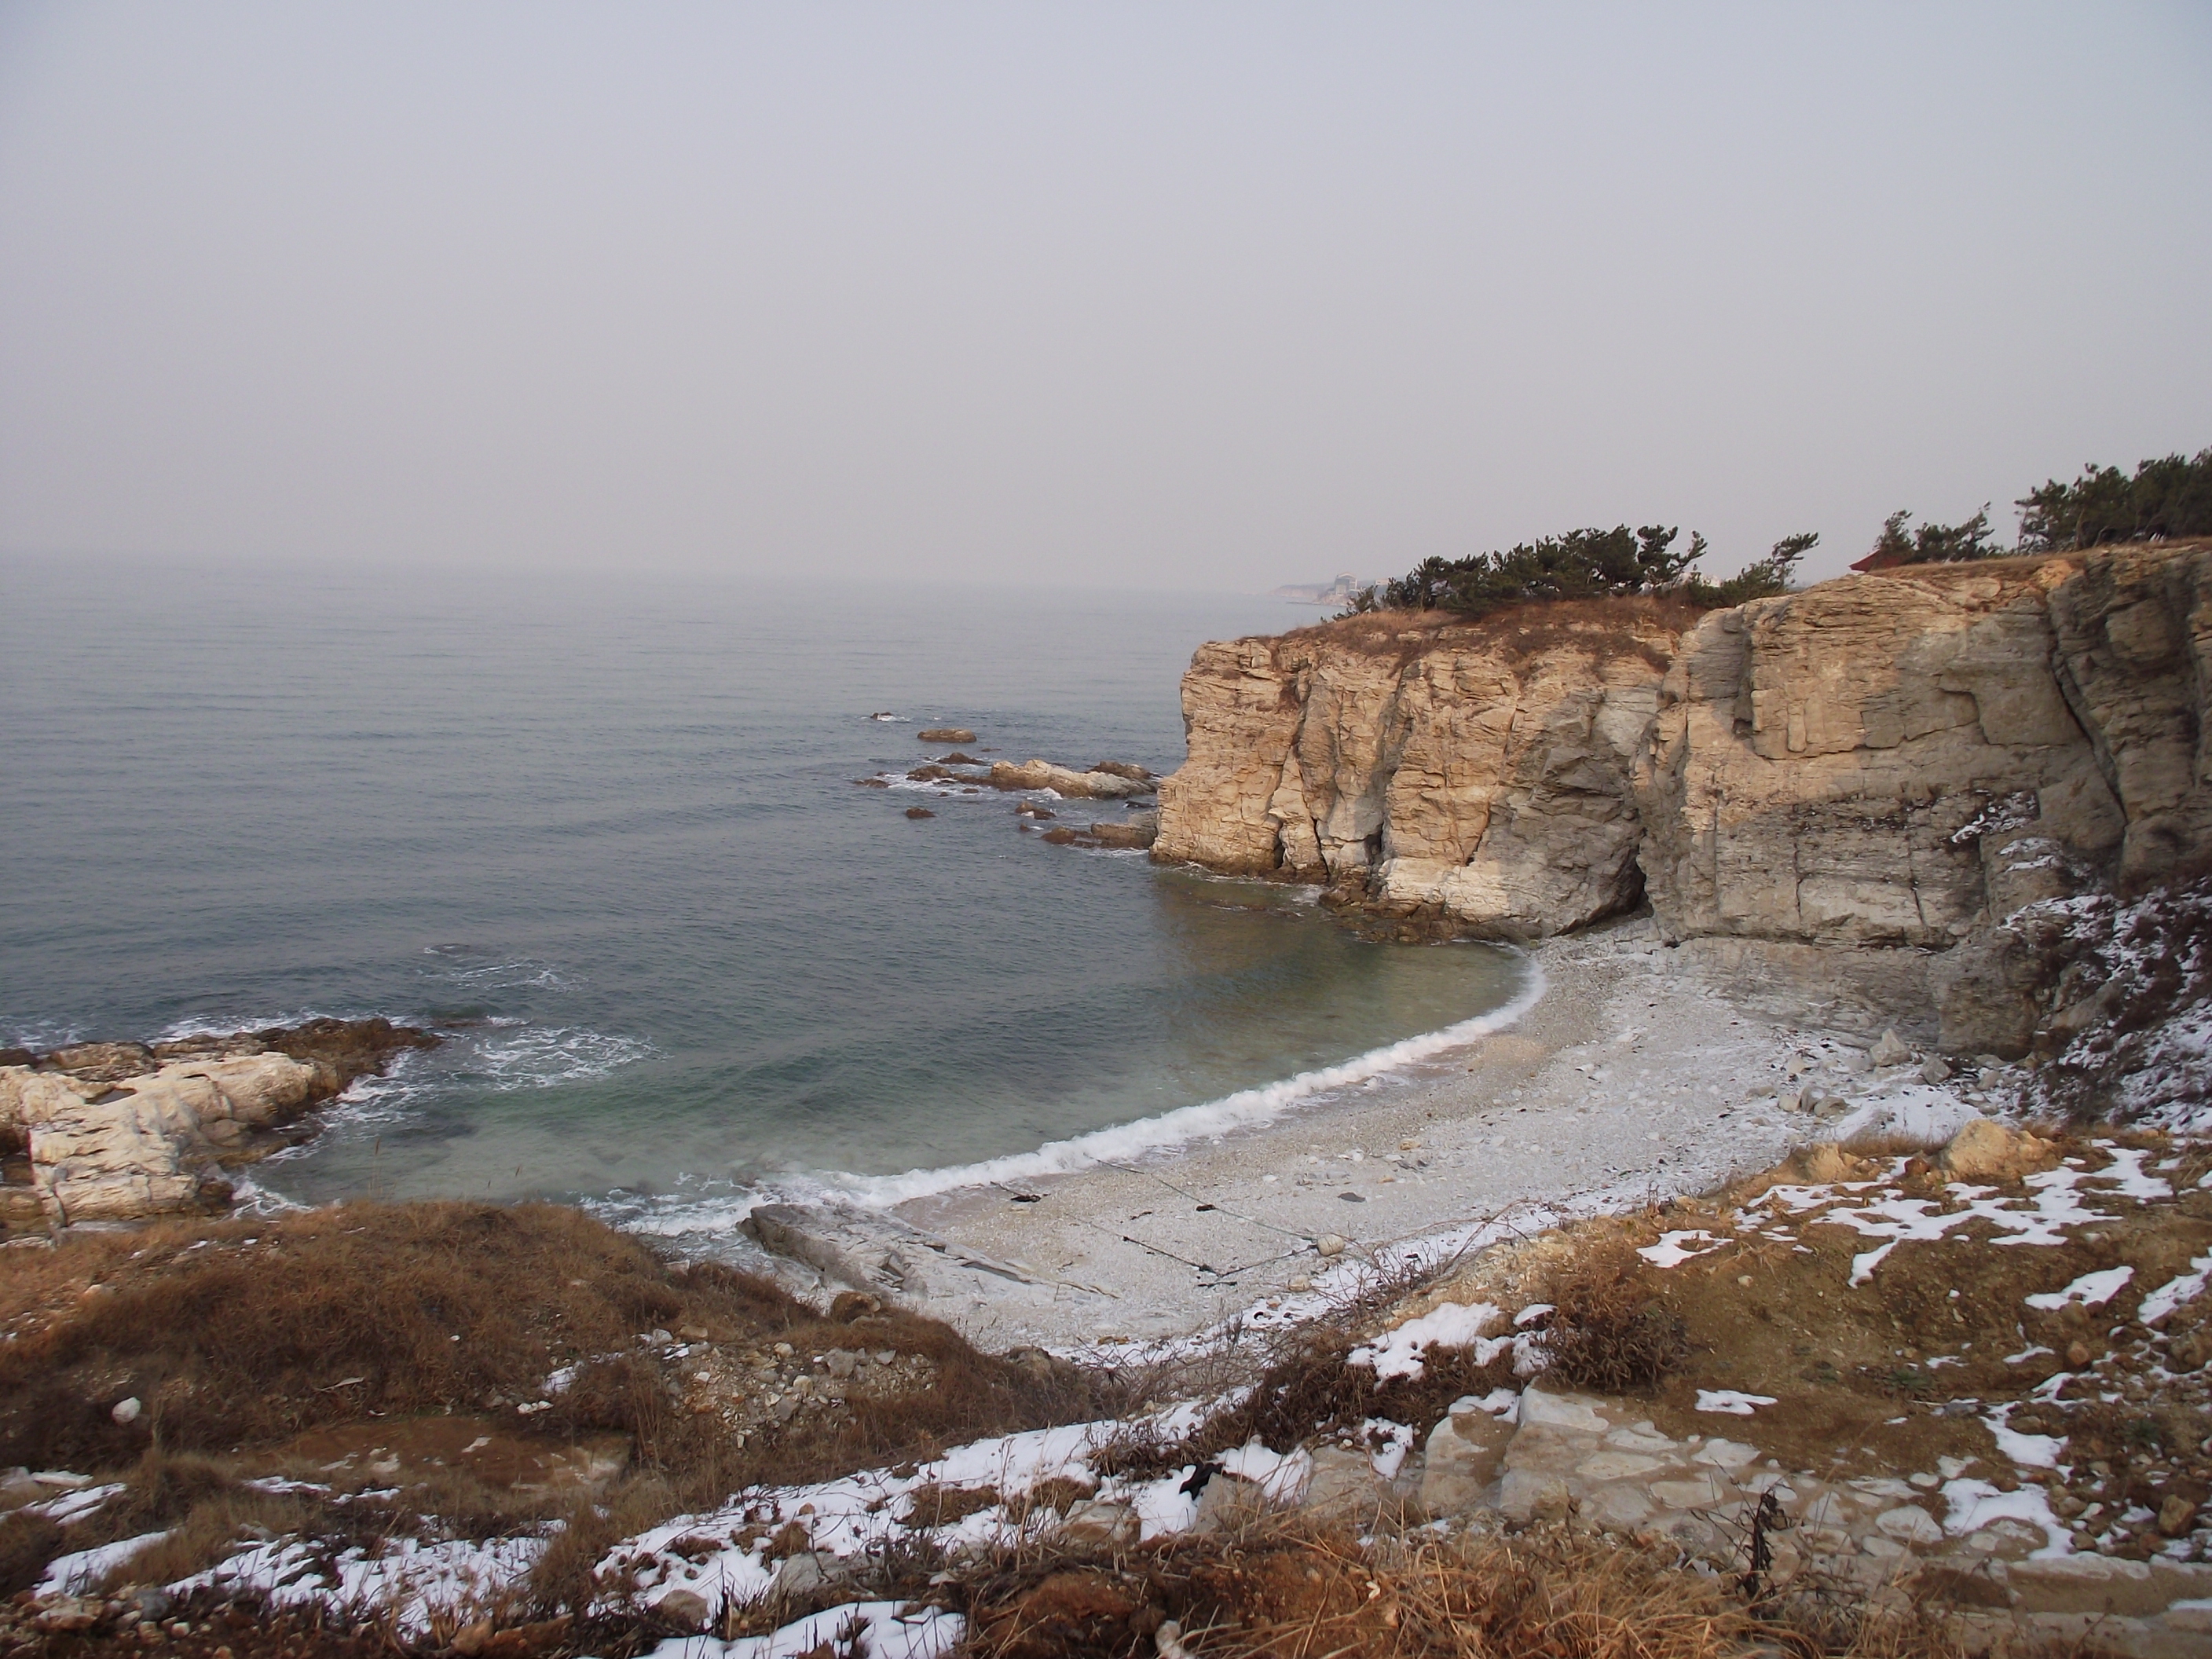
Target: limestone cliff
[1478, 772]
[1903, 763]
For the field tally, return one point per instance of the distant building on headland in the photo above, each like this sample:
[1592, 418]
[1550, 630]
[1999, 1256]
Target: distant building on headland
[1340, 592]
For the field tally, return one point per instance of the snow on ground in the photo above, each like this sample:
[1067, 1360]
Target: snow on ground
[878, 1630]
[82, 1570]
[1454, 1325]
[408, 1579]
[2055, 1202]
[734, 1554]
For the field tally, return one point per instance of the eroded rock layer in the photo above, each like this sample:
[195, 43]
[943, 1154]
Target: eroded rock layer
[1854, 796]
[1482, 773]
[117, 1131]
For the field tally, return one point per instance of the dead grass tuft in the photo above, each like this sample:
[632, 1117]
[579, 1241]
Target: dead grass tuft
[1607, 1330]
[27, 1542]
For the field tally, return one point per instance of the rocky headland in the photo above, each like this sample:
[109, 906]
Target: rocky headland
[1924, 798]
[123, 1131]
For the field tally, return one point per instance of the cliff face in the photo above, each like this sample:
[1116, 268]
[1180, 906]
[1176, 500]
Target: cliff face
[1901, 763]
[1480, 773]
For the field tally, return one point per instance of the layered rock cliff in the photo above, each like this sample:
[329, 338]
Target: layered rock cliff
[1851, 798]
[116, 1131]
[1478, 772]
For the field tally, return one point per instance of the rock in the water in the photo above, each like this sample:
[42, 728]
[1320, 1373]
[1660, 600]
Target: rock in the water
[1124, 835]
[1083, 786]
[1986, 1151]
[1125, 769]
[920, 812]
[946, 734]
[145, 1146]
[119, 1131]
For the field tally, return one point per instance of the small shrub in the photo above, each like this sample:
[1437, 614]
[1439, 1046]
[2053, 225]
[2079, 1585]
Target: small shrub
[1607, 1331]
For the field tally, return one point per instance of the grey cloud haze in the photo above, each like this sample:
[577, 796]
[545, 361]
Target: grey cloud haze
[1206, 296]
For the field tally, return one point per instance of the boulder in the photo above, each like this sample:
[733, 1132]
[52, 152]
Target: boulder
[1094, 1521]
[1229, 1501]
[1084, 786]
[946, 734]
[1987, 1150]
[1125, 835]
[685, 1609]
[1891, 1050]
[1344, 1486]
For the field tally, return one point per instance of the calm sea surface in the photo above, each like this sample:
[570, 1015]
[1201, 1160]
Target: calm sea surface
[604, 832]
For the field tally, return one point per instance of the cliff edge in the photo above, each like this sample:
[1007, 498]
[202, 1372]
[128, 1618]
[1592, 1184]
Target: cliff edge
[1849, 799]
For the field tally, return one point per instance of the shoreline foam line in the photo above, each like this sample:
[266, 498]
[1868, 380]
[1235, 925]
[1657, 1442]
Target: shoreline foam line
[1246, 1108]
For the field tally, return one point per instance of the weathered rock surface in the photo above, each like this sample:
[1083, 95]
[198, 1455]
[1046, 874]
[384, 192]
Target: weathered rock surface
[1909, 760]
[870, 1251]
[1594, 1461]
[1860, 802]
[1043, 775]
[1478, 772]
[119, 1131]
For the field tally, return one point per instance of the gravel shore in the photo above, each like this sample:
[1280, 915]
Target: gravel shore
[1631, 1077]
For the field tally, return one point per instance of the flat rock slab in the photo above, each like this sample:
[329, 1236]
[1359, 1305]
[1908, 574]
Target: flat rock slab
[867, 1250]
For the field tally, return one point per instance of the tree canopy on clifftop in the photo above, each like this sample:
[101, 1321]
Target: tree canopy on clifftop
[1581, 564]
[2168, 496]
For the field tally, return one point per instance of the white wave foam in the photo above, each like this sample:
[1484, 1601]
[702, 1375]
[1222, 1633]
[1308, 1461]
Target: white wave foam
[525, 974]
[39, 1034]
[194, 1025]
[1245, 1109]
[545, 1056]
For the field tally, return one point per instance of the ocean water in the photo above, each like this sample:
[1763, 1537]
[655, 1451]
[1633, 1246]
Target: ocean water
[604, 832]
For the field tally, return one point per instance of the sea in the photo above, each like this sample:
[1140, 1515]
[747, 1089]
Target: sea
[604, 833]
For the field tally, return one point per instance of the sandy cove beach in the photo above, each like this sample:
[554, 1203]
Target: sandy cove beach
[1631, 1077]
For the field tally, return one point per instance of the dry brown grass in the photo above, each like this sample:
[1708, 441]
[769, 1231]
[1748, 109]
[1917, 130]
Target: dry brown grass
[1284, 1588]
[403, 1313]
[239, 1333]
[1609, 1329]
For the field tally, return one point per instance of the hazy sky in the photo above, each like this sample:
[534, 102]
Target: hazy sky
[1186, 294]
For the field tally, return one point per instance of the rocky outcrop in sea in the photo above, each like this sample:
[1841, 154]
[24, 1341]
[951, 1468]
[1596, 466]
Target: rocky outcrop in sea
[120, 1131]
